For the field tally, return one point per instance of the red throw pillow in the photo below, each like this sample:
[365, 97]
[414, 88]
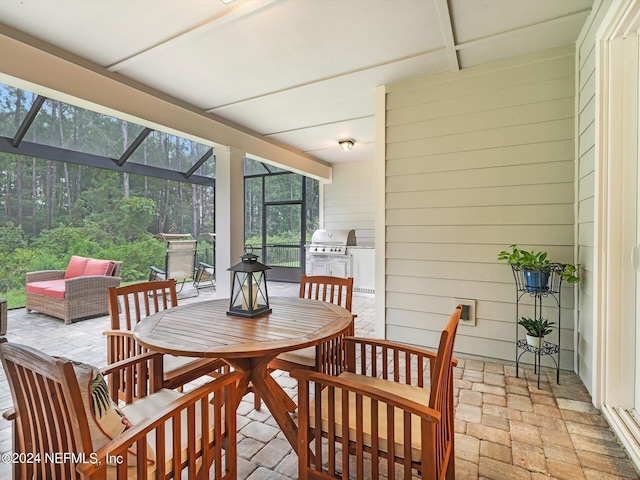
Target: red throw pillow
[97, 267]
[76, 267]
[112, 267]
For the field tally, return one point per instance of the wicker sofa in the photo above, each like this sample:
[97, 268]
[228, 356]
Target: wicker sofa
[80, 291]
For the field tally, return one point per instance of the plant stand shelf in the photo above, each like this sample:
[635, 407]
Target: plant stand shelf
[537, 293]
[546, 349]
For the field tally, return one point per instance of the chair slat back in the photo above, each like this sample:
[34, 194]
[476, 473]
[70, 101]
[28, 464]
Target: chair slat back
[441, 397]
[180, 261]
[336, 290]
[130, 304]
[50, 415]
[442, 370]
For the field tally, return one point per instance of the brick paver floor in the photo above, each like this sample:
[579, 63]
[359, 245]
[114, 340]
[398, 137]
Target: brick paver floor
[506, 428]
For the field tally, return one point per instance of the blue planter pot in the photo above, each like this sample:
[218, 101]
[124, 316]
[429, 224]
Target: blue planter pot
[536, 281]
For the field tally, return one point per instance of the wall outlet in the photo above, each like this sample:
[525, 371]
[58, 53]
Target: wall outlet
[468, 316]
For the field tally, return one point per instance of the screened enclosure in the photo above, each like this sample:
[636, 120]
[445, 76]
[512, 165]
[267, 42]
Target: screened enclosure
[75, 181]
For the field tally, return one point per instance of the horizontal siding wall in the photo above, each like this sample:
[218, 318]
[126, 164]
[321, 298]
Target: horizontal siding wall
[349, 201]
[475, 161]
[585, 119]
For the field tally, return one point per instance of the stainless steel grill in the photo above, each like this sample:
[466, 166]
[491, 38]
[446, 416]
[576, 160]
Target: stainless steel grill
[331, 242]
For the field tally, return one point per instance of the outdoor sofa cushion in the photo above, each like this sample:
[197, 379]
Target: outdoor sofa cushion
[103, 268]
[40, 288]
[78, 267]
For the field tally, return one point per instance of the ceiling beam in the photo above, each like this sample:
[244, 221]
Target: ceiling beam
[207, 155]
[48, 152]
[28, 120]
[444, 15]
[134, 145]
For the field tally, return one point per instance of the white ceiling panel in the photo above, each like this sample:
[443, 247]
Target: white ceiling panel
[523, 41]
[476, 19]
[288, 44]
[337, 99]
[106, 31]
[326, 137]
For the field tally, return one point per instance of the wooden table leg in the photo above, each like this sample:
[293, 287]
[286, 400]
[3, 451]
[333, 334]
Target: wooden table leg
[271, 394]
[241, 391]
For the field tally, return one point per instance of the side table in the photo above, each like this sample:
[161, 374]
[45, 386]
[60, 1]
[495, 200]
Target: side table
[3, 316]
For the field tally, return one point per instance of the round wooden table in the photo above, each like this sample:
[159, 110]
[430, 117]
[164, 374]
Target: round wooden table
[204, 329]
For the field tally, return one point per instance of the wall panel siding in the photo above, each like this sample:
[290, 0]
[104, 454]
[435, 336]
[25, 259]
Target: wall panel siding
[532, 70]
[586, 81]
[486, 177]
[475, 161]
[489, 157]
[553, 130]
[349, 201]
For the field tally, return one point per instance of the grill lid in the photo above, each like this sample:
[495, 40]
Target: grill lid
[334, 237]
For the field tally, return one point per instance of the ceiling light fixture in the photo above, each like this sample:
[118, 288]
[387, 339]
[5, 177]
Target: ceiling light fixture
[346, 144]
[226, 1]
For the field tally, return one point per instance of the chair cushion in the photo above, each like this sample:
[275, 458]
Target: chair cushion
[55, 291]
[39, 288]
[103, 268]
[149, 407]
[76, 266]
[417, 394]
[105, 419]
[303, 356]
[173, 366]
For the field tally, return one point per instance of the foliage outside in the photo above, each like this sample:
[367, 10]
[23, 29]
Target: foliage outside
[51, 210]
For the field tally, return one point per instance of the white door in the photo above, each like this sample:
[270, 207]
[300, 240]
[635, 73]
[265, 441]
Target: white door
[633, 86]
[616, 322]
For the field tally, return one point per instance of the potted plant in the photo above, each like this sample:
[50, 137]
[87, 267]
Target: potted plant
[537, 329]
[537, 268]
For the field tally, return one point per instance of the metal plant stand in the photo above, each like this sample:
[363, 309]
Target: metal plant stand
[538, 293]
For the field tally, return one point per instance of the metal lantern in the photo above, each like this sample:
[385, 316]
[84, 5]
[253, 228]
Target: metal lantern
[249, 296]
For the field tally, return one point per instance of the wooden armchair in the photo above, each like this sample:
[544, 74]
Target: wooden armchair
[329, 356]
[128, 305]
[173, 435]
[393, 402]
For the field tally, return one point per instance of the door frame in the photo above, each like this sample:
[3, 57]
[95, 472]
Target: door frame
[616, 214]
[286, 274]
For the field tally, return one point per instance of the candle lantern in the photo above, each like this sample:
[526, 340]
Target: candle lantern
[249, 297]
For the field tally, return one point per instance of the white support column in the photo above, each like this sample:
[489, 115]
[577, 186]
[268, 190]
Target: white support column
[229, 215]
[380, 213]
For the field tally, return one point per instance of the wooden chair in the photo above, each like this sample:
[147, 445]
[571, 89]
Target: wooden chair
[329, 356]
[395, 401]
[52, 424]
[130, 304]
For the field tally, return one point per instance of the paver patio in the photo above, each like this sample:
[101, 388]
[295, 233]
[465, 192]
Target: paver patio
[506, 428]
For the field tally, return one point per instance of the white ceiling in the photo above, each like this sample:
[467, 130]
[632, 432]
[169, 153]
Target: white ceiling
[303, 72]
